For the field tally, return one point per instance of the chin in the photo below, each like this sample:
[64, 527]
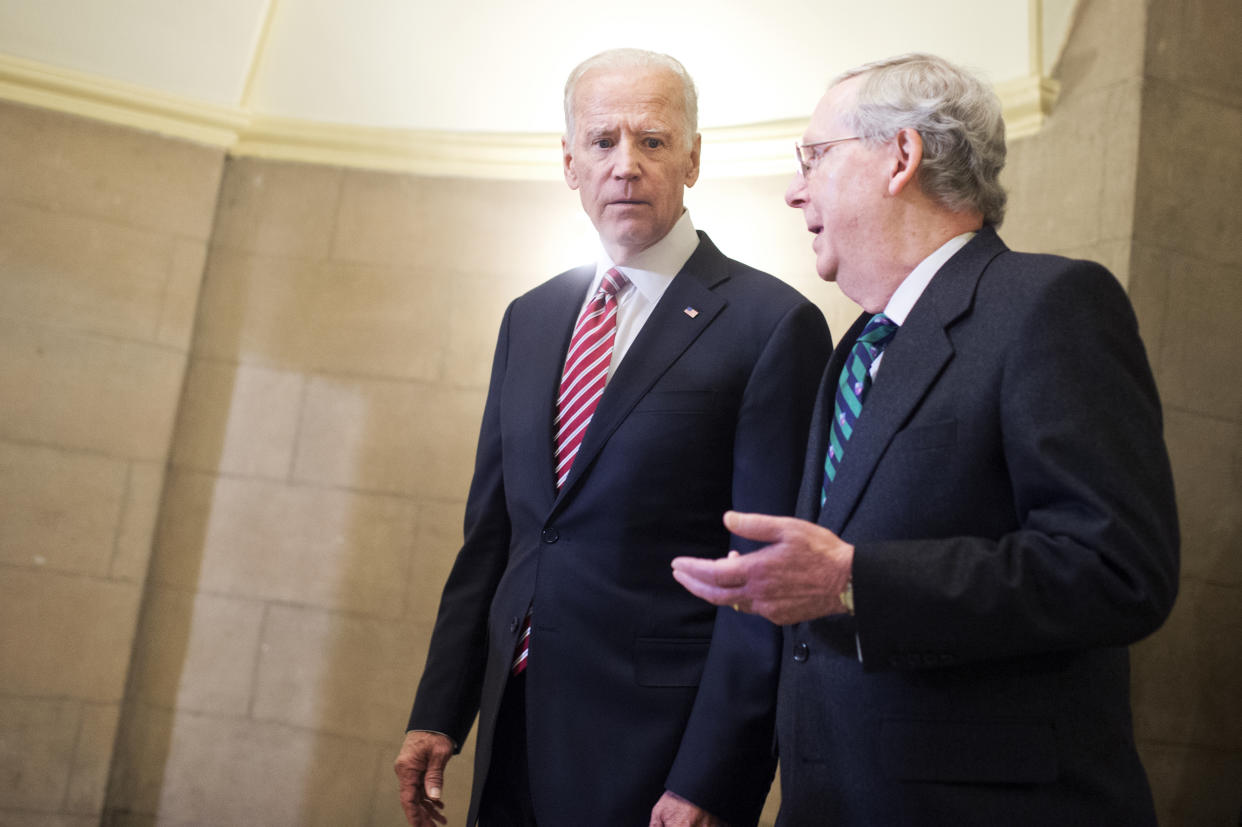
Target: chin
[633, 241]
[826, 271]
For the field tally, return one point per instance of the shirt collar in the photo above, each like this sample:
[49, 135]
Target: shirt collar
[909, 291]
[653, 269]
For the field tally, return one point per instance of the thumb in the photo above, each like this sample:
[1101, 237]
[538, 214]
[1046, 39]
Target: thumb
[433, 778]
[761, 527]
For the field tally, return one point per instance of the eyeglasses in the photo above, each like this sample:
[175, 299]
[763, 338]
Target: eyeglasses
[808, 155]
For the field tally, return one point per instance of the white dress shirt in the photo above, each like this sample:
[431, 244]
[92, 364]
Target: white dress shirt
[911, 288]
[650, 274]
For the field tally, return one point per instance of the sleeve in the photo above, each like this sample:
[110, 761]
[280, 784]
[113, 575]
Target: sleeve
[449, 691]
[1093, 559]
[726, 760]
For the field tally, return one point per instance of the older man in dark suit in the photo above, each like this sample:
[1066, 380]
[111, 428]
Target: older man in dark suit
[631, 403]
[987, 513]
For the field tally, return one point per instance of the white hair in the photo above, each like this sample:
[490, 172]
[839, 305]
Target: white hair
[636, 59]
[957, 115]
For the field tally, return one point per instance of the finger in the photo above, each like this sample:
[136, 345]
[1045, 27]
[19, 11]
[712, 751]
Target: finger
[415, 812]
[408, 800]
[433, 811]
[707, 591]
[762, 527]
[725, 572]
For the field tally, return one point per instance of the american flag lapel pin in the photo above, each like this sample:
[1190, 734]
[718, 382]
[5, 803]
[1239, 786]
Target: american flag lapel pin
[691, 312]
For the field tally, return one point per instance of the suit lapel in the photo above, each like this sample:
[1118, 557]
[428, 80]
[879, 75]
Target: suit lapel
[546, 361]
[912, 362]
[821, 417]
[667, 333]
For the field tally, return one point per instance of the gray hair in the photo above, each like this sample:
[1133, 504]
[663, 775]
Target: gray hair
[636, 59]
[957, 115]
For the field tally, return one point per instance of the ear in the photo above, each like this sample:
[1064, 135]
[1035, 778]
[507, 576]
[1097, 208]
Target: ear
[567, 160]
[692, 174]
[907, 155]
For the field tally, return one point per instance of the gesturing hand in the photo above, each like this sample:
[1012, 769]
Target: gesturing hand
[798, 576]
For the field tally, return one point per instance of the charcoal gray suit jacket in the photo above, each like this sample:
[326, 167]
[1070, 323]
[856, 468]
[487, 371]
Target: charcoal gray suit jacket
[1009, 497]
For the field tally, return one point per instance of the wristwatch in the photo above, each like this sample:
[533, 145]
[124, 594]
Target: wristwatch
[847, 596]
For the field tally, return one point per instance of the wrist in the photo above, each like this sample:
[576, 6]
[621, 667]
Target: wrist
[847, 595]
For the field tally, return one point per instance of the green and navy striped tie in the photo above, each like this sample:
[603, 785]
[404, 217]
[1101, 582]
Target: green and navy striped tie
[852, 388]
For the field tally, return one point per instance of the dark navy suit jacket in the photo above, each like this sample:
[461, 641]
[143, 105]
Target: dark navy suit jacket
[633, 684]
[1009, 497]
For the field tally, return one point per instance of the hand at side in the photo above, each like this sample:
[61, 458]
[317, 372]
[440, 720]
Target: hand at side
[420, 774]
[674, 811]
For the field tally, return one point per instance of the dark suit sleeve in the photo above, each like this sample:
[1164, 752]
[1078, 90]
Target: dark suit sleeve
[449, 691]
[725, 763]
[1076, 456]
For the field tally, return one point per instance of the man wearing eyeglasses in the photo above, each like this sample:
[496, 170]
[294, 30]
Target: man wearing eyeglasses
[631, 403]
[986, 518]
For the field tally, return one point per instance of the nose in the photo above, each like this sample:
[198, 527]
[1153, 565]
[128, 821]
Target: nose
[626, 161]
[795, 193]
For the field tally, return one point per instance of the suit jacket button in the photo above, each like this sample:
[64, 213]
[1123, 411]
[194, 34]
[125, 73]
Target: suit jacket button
[513, 624]
[801, 652]
[550, 535]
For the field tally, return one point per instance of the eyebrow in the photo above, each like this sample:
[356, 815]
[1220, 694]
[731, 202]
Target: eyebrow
[594, 133]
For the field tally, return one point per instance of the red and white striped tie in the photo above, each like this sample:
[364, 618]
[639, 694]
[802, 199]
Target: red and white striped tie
[586, 370]
[582, 384]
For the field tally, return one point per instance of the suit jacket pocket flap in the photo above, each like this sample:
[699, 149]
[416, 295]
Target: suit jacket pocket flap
[981, 752]
[669, 661]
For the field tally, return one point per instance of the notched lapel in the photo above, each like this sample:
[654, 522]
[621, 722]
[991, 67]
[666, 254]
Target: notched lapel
[666, 335]
[912, 362]
[545, 362]
[821, 420]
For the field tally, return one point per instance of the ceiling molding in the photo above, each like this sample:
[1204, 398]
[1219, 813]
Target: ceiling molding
[105, 99]
[450, 154]
[1027, 102]
[728, 152]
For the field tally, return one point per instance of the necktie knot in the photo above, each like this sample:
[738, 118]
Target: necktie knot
[613, 282]
[879, 331]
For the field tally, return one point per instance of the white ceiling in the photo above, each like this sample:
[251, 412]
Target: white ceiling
[489, 66]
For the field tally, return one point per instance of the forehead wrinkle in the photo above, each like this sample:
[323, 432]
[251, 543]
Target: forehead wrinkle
[643, 124]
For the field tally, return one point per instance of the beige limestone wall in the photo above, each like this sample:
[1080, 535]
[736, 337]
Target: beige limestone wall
[1132, 170]
[103, 235]
[316, 487]
[1187, 274]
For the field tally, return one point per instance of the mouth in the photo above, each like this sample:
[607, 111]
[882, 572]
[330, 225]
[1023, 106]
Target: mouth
[815, 230]
[628, 202]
